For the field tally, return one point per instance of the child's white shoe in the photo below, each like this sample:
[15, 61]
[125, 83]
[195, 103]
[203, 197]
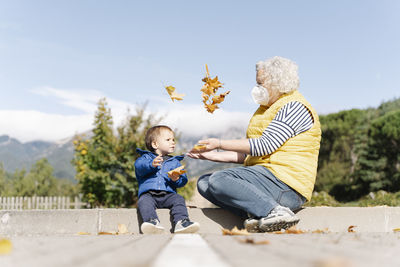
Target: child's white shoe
[152, 227]
[185, 226]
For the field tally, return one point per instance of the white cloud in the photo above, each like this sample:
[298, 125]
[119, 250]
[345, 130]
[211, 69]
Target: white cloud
[194, 120]
[28, 125]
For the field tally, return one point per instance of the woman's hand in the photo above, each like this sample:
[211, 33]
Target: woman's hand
[210, 143]
[210, 155]
[224, 156]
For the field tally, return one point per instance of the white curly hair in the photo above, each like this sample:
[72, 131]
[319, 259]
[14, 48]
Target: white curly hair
[278, 73]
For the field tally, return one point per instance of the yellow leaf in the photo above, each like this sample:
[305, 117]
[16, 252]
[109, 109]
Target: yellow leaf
[177, 171]
[207, 90]
[214, 82]
[83, 233]
[199, 147]
[219, 98]
[174, 95]
[211, 107]
[5, 246]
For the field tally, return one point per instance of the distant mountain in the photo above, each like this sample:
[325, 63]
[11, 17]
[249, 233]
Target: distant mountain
[16, 155]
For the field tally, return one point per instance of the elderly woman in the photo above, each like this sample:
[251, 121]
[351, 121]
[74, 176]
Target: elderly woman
[280, 154]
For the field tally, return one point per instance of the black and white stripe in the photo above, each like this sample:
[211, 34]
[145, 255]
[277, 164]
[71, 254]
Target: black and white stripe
[291, 120]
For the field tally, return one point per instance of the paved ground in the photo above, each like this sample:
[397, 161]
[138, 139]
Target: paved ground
[316, 250]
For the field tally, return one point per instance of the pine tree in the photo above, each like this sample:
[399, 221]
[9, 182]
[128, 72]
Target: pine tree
[105, 161]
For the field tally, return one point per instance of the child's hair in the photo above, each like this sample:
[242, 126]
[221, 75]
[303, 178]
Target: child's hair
[153, 133]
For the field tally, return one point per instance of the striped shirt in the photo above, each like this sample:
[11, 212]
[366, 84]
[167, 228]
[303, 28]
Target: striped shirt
[291, 120]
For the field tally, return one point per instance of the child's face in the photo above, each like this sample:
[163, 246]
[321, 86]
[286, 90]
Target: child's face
[164, 143]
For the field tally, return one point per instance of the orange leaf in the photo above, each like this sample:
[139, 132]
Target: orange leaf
[177, 171]
[351, 229]
[209, 89]
[234, 231]
[105, 233]
[291, 230]
[248, 240]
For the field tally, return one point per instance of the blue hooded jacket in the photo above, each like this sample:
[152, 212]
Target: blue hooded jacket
[156, 178]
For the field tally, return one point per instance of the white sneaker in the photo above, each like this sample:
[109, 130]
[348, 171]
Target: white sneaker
[251, 225]
[152, 227]
[279, 218]
[185, 226]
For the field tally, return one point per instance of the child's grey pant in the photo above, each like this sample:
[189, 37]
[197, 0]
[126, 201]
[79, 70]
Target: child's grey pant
[248, 190]
[149, 202]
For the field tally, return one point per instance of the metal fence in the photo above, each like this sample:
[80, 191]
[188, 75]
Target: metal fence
[47, 203]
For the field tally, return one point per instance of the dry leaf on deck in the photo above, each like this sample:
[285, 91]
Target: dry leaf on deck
[106, 233]
[5, 246]
[291, 230]
[122, 229]
[319, 231]
[174, 95]
[249, 240]
[83, 233]
[234, 231]
[351, 229]
[177, 171]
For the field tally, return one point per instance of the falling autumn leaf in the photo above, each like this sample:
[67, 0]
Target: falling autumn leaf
[174, 95]
[210, 96]
[5, 246]
[219, 98]
[234, 231]
[176, 172]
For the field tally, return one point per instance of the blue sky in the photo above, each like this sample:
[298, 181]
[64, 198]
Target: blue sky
[58, 58]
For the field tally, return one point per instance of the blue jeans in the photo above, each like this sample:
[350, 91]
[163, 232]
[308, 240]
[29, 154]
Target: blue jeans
[248, 190]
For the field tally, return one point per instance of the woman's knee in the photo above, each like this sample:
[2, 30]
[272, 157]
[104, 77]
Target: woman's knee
[202, 184]
[218, 183]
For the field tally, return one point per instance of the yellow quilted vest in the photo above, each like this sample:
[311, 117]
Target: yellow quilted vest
[295, 162]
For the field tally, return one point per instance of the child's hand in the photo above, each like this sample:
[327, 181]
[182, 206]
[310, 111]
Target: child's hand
[157, 161]
[176, 173]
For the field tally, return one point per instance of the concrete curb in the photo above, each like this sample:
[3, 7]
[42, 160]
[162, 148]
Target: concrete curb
[93, 221]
